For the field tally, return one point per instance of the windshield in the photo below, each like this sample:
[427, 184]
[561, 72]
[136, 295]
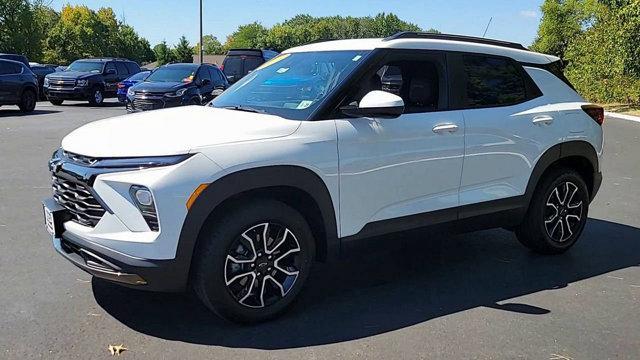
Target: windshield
[139, 76]
[86, 66]
[291, 85]
[172, 74]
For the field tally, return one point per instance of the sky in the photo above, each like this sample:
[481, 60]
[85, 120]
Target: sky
[513, 20]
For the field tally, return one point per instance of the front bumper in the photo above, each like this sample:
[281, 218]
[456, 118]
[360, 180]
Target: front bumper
[75, 93]
[153, 103]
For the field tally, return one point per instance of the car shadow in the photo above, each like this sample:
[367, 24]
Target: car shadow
[411, 281]
[17, 112]
[86, 104]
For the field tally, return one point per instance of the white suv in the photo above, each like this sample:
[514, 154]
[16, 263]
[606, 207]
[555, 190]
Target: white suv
[325, 145]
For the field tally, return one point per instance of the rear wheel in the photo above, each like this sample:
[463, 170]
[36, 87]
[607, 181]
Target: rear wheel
[254, 262]
[56, 101]
[557, 213]
[28, 101]
[96, 97]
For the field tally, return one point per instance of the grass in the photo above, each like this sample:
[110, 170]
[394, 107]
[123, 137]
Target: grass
[623, 109]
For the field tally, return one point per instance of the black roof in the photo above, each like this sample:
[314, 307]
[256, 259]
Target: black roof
[453, 37]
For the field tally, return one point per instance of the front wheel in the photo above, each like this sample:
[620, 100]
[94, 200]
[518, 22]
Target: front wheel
[253, 261]
[557, 213]
[96, 97]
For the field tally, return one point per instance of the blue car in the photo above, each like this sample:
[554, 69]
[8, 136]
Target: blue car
[129, 82]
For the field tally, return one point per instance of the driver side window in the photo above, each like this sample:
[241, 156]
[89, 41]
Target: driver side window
[420, 82]
[109, 66]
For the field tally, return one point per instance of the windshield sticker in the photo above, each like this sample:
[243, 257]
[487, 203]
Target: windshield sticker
[273, 61]
[356, 58]
[304, 104]
[282, 70]
[188, 79]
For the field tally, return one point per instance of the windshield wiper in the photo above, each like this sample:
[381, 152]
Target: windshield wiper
[243, 108]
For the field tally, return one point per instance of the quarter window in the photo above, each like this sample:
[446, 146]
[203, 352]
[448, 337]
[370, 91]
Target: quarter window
[492, 81]
[7, 68]
[122, 69]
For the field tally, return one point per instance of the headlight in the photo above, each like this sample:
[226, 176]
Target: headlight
[46, 82]
[143, 199]
[131, 92]
[82, 83]
[177, 93]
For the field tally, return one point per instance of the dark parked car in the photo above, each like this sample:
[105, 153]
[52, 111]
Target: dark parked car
[15, 57]
[88, 79]
[124, 85]
[18, 85]
[176, 85]
[41, 71]
[240, 62]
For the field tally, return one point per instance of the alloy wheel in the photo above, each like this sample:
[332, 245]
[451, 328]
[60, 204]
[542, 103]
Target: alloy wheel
[97, 95]
[262, 265]
[563, 212]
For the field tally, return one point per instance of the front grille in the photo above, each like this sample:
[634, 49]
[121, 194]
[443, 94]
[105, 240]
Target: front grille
[77, 198]
[62, 83]
[148, 101]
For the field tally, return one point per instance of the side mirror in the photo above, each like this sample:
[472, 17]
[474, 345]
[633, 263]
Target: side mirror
[376, 104]
[110, 72]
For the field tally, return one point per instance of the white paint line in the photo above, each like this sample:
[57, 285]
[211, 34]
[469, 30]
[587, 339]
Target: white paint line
[622, 116]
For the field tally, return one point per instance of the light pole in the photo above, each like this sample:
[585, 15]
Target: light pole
[201, 44]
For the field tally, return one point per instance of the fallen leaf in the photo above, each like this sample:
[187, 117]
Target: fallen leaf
[117, 349]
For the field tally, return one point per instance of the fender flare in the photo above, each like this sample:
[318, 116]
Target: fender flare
[253, 179]
[577, 148]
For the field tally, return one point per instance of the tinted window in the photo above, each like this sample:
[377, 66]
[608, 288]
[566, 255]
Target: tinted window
[122, 70]
[133, 67]
[251, 63]
[233, 65]
[109, 66]
[492, 82]
[203, 73]
[7, 68]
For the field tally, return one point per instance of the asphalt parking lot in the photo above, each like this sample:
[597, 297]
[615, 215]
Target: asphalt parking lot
[479, 295]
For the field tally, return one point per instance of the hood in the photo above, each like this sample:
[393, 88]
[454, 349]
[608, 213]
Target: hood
[150, 86]
[71, 75]
[173, 131]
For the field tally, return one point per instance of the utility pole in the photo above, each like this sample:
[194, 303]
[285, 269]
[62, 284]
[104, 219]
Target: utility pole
[201, 44]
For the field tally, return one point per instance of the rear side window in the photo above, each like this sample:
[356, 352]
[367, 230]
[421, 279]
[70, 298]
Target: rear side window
[133, 67]
[7, 68]
[233, 65]
[251, 63]
[492, 81]
[122, 70]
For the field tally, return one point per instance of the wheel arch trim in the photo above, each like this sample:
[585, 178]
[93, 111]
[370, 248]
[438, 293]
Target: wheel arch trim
[243, 181]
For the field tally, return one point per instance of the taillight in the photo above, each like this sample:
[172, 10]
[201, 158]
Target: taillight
[596, 112]
[120, 85]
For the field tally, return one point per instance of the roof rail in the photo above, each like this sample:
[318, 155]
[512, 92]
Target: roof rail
[452, 37]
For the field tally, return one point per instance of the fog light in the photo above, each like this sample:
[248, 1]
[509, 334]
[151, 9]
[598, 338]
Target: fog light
[144, 197]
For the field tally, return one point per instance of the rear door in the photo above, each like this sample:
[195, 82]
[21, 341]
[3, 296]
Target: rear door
[508, 125]
[205, 84]
[10, 81]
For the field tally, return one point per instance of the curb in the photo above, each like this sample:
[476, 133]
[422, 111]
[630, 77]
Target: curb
[622, 116]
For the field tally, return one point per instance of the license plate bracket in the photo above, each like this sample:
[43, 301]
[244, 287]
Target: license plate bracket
[54, 216]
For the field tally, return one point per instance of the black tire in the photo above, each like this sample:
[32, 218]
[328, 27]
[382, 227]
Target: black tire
[56, 101]
[557, 214]
[96, 97]
[28, 101]
[215, 286]
[195, 101]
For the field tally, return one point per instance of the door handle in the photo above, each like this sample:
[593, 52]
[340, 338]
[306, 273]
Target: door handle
[445, 128]
[543, 120]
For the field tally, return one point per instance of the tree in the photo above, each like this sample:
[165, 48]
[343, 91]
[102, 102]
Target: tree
[211, 46]
[250, 36]
[164, 55]
[183, 51]
[16, 16]
[562, 21]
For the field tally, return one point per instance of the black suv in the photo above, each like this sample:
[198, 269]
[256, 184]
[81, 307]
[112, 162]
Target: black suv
[240, 62]
[176, 85]
[88, 79]
[18, 85]
[42, 70]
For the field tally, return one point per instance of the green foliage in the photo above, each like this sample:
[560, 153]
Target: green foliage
[303, 29]
[211, 46]
[183, 52]
[164, 55]
[599, 42]
[18, 14]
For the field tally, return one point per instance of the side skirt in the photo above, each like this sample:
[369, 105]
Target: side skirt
[487, 215]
